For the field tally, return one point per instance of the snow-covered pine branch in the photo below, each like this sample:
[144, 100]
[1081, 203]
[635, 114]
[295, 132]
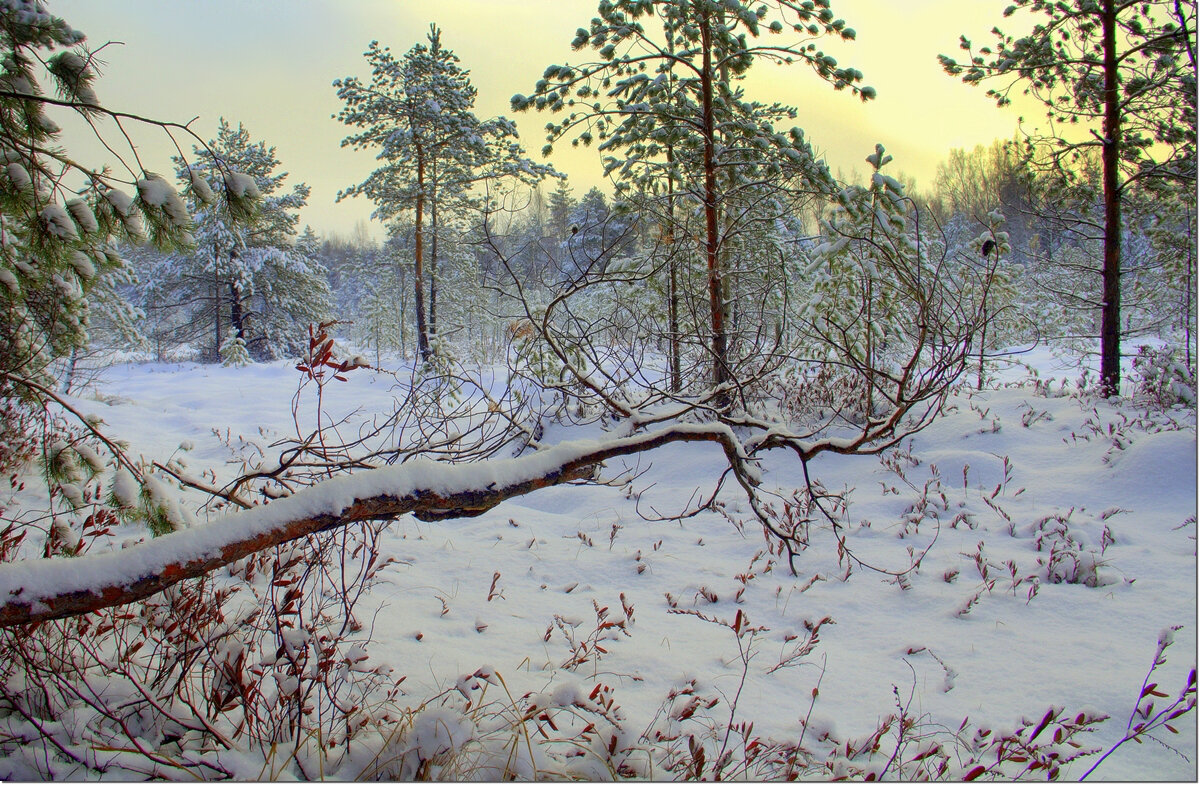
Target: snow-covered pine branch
[39, 590]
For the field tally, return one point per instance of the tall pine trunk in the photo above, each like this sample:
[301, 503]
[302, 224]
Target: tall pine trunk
[237, 319]
[418, 260]
[720, 373]
[216, 309]
[402, 321]
[433, 247]
[673, 348]
[1110, 316]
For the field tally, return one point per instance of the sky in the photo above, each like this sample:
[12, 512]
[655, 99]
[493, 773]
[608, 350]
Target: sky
[272, 70]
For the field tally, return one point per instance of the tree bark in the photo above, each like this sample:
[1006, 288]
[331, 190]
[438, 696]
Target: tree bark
[1110, 316]
[673, 348]
[673, 352]
[433, 247]
[418, 261]
[720, 373]
[216, 309]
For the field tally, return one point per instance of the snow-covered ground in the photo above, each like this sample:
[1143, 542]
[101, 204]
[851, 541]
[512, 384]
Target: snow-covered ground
[1081, 514]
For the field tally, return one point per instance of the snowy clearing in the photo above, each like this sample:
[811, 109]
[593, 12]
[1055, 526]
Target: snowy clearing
[1059, 541]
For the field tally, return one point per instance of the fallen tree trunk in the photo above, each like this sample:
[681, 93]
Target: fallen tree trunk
[37, 590]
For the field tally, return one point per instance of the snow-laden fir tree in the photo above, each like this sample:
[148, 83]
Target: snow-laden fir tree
[249, 288]
[595, 235]
[559, 206]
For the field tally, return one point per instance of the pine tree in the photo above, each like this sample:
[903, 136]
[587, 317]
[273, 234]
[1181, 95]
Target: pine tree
[664, 103]
[418, 112]
[560, 206]
[1126, 71]
[61, 219]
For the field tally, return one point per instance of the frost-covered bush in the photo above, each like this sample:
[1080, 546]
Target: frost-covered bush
[1163, 378]
[258, 671]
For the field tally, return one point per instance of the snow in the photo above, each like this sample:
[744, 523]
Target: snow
[154, 190]
[1032, 469]
[125, 489]
[157, 192]
[241, 186]
[200, 187]
[19, 176]
[120, 201]
[83, 215]
[83, 265]
[57, 222]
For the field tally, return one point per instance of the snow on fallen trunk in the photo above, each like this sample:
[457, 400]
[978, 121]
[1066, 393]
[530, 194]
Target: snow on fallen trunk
[42, 589]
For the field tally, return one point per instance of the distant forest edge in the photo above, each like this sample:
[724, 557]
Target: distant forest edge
[729, 225]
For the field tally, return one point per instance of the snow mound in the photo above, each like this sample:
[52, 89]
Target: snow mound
[1158, 465]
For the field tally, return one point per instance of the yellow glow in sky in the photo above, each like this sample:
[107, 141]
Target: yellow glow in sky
[270, 66]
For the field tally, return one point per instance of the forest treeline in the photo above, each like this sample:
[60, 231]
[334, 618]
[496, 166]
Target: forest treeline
[722, 232]
[253, 302]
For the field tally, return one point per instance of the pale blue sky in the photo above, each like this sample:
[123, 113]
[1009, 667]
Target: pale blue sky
[270, 65]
